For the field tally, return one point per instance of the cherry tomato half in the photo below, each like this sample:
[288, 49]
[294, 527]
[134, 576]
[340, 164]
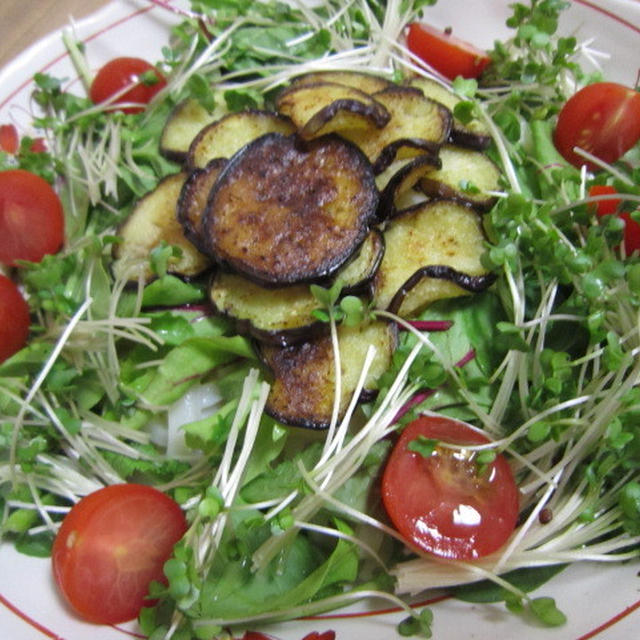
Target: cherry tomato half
[118, 74]
[31, 217]
[631, 237]
[111, 545]
[14, 319]
[449, 55]
[443, 503]
[602, 118]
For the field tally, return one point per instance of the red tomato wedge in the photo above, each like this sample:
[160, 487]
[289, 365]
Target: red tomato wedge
[114, 77]
[9, 140]
[603, 119]
[631, 237]
[442, 503]
[38, 145]
[31, 217]
[14, 319]
[111, 545]
[446, 53]
[604, 207]
[631, 234]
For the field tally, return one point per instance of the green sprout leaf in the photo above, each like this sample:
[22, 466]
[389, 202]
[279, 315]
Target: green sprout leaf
[545, 609]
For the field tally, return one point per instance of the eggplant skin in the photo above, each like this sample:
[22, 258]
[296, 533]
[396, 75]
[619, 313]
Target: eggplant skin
[469, 283]
[473, 135]
[363, 81]
[153, 221]
[281, 316]
[284, 211]
[417, 125]
[193, 200]
[356, 276]
[224, 137]
[328, 107]
[303, 389]
[457, 165]
[432, 235]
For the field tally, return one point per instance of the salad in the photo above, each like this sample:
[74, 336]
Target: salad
[543, 361]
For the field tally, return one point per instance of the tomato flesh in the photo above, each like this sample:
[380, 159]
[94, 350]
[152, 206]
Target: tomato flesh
[120, 73]
[38, 146]
[31, 217]
[442, 504]
[603, 119]
[608, 206]
[9, 140]
[109, 548]
[631, 237]
[444, 52]
[14, 319]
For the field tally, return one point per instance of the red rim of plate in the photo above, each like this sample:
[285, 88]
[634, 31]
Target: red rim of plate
[48, 633]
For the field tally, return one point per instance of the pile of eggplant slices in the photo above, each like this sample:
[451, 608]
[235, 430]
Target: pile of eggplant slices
[351, 178]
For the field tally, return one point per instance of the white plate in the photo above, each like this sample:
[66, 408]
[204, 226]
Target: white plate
[600, 601]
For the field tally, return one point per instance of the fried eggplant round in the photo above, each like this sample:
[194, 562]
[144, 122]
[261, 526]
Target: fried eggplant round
[285, 211]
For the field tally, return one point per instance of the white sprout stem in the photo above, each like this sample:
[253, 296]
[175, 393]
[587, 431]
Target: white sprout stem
[228, 480]
[522, 531]
[334, 442]
[345, 462]
[311, 608]
[337, 384]
[44, 372]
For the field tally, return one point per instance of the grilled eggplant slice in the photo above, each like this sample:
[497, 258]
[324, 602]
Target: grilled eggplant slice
[356, 275]
[418, 125]
[400, 178]
[283, 316]
[283, 212]
[361, 80]
[153, 221]
[439, 233]
[328, 107]
[459, 167]
[183, 124]
[474, 134]
[222, 138]
[302, 392]
[193, 200]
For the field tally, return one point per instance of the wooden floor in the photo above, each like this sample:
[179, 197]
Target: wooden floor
[22, 22]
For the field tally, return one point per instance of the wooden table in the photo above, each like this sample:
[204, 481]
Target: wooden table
[22, 22]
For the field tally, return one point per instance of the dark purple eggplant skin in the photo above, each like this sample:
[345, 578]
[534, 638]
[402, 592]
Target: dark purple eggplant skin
[363, 286]
[317, 121]
[465, 138]
[473, 284]
[376, 113]
[389, 153]
[188, 216]
[387, 208]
